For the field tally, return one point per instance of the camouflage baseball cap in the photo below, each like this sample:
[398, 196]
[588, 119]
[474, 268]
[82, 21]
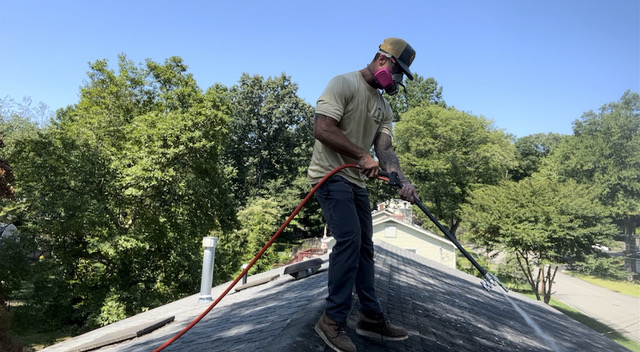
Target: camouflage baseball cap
[401, 51]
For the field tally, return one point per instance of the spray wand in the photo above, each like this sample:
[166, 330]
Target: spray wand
[490, 280]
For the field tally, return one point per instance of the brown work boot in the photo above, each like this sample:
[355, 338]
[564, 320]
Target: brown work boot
[334, 334]
[378, 325]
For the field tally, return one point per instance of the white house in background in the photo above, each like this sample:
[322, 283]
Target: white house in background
[392, 223]
[7, 230]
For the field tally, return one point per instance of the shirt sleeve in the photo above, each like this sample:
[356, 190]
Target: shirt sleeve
[387, 123]
[334, 98]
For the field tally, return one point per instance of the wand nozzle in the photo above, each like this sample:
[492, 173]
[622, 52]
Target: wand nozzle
[490, 280]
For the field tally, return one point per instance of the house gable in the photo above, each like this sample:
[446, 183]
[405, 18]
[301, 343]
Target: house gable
[413, 238]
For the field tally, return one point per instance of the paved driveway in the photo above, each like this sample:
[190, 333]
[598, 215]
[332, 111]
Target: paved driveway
[619, 311]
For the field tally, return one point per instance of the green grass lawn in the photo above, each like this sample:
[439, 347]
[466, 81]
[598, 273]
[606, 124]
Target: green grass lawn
[625, 287]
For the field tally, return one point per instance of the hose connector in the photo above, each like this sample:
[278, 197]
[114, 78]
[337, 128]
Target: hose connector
[391, 177]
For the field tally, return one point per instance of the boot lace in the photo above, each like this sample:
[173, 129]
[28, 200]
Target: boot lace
[340, 329]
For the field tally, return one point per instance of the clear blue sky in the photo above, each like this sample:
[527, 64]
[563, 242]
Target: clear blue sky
[531, 66]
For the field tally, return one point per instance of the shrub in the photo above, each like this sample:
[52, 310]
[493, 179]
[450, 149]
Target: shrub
[603, 267]
[463, 264]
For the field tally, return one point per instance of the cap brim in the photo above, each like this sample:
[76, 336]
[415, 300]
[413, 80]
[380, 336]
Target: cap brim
[406, 70]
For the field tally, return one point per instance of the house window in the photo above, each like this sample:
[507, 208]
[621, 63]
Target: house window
[390, 231]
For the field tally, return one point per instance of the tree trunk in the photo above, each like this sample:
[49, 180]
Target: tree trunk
[526, 269]
[260, 173]
[548, 282]
[541, 281]
[454, 227]
[630, 242]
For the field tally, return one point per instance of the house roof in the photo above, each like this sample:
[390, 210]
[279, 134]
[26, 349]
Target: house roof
[381, 214]
[388, 218]
[442, 308]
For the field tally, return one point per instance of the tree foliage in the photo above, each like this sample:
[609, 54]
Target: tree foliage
[309, 221]
[605, 151]
[531, 151]
[447, 153]
[419, 91]
[271, 136]
[603, 266]
[13, 267]
[539, 219]
[259, 222]
[120, 190]
[16, 120]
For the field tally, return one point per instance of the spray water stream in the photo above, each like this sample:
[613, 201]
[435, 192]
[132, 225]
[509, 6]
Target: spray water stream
[548, 341]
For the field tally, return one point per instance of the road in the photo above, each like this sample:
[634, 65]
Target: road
[618, 311]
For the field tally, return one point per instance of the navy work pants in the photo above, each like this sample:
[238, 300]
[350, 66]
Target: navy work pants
[348, 215]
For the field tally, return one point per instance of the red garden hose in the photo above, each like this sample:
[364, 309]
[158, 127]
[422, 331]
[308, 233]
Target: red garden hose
[253, 261]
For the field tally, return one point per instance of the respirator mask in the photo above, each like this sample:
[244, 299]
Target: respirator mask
[390, 82]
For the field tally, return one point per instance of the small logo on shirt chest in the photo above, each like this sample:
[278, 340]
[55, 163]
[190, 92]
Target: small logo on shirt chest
[377, 115]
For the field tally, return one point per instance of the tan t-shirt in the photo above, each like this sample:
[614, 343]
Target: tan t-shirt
[361, 112]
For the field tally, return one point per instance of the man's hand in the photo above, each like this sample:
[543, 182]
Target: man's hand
[368, 166]
[408, 192]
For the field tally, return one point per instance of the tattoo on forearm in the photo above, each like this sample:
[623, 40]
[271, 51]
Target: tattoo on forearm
[387, 156]
[389, 161]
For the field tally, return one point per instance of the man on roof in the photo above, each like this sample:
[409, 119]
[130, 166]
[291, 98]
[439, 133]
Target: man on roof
[351, 117]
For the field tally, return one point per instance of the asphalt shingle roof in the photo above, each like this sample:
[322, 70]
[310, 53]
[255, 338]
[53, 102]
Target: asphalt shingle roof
[443, 309]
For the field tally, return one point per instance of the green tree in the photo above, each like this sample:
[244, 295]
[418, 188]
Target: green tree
[447, 153]
[288, 196]
[259, 222]
[539, 219]
[531, 150]
[14, 267]
[419, 91]
[61, 203]
[605, 151]
[270, 133]
[121, 187]
[230, 255]
[16, 120]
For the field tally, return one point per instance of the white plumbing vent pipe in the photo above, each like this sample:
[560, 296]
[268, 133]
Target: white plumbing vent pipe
[209, 244]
